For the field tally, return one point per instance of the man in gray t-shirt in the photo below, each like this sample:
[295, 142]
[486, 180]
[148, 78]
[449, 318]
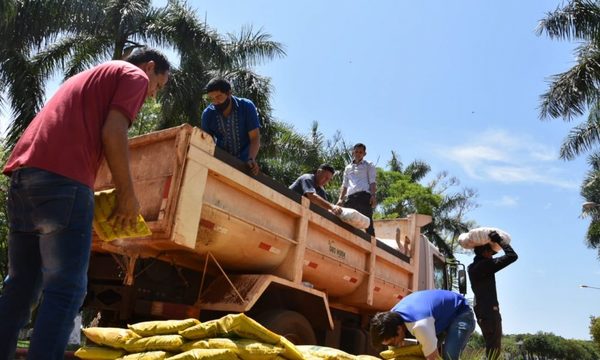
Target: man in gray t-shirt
[311, 186]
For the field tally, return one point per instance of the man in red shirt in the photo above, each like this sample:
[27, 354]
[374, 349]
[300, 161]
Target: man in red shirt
[51, 201]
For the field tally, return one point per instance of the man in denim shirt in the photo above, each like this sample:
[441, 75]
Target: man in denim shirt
[51, 202]
[233, 122]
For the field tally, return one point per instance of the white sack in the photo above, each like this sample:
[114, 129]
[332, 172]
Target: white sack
[480, 236]
[354, 218]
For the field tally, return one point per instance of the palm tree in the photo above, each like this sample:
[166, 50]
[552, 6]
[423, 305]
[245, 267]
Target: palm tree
[26, 26]
[111, 29]
[590, 191]
[449, 218]
[572, 92]
[575, 91]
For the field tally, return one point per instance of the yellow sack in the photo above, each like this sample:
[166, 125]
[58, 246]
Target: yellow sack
[408, 352]
[157, 342]
[240, 325]
[324, 352]
[244, 348]
[98, 353]
[149, 328]
[233, 325]
[205, 354]
[149, 355]
[113, 337]
[104, 204]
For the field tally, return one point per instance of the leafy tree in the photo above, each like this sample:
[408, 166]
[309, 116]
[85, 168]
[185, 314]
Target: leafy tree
[87, 33]
[449, 217]
[595, 329]
[290, 154]
[147, 119]
[401, 194]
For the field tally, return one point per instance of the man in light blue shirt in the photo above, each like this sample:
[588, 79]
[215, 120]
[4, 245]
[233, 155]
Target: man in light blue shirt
[359, 187]
[427, 314]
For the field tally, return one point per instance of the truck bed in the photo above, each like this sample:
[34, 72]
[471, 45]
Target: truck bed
[199, 201]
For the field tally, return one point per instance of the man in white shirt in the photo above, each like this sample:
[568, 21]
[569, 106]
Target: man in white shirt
[359, 187]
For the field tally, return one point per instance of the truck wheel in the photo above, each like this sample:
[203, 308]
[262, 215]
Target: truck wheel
[290, 324]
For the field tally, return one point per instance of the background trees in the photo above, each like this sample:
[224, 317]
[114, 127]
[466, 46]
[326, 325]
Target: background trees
[536, 347]
[43, 37]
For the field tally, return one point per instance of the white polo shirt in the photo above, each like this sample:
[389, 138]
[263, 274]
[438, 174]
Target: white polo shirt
[359, 177]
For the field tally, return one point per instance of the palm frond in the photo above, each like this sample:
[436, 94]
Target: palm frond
[579, 19]
[251, 48]
[417, 170]
[573, 91]
[582, 138]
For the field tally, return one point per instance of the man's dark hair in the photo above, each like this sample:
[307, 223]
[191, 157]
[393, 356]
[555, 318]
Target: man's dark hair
[327, 167]
[218, 84]
[145, 54]
[384, 325]
[360, 145]
[480, 250]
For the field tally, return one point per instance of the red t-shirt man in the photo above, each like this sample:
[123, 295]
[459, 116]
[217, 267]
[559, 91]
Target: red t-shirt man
[65, 137]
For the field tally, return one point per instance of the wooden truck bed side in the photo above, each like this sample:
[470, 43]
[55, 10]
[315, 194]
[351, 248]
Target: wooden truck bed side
[199, 202]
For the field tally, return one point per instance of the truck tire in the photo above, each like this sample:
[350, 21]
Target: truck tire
[290, 324]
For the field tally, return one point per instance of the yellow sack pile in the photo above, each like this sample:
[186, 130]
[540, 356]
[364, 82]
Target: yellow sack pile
[409, 352]
[112, 337]
[167, 327]
[311, 352]
[206, 354]
[156, 342]
[98, 353]
[245, 349]
[104, 204]
[241, 326]
[232, 337]
[147, 355]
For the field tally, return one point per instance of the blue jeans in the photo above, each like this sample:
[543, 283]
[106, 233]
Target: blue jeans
[457, 335]
[49, 243]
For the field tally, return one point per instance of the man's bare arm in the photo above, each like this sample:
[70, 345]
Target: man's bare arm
[116, 151]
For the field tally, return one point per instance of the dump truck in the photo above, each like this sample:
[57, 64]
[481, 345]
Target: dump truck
[224, 241]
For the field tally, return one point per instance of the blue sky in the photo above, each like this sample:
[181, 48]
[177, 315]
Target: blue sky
[455, 84]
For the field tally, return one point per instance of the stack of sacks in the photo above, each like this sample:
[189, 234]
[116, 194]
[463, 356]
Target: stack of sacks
[238, 326]
[232, 337]
[409, 352]
[151, 340]
[354, 218]
[480, 236]
[313, 352]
